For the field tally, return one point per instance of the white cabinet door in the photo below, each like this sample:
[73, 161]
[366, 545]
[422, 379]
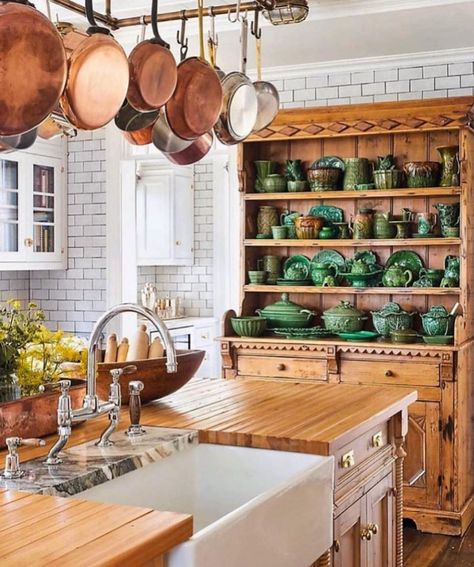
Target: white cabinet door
[165, 218]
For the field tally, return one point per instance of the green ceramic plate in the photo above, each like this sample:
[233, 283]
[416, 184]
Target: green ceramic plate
[359, 336]
[283, 281]
[296, 268]
[329, 161]
[408, 260]
[330, 256]
[439, 339]
[330, 213]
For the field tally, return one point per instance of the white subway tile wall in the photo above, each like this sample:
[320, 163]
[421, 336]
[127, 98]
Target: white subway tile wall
[73, 299]
[192, 283]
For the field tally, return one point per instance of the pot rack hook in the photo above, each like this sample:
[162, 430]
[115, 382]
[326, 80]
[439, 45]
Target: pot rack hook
[94, 28]
[143, 29]
[154, 25]
[181, 36]
[213, 37]
[236, 18]
[255, 28]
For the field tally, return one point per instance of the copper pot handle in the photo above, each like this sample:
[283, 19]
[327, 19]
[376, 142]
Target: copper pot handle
[201, 29]
[154, 25]
[93, 28]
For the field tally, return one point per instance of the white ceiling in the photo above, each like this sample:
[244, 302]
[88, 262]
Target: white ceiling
[335, 30]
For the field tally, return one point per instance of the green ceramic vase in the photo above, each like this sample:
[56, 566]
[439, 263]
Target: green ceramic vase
[357, 171]
[264, 169]
[449, 165]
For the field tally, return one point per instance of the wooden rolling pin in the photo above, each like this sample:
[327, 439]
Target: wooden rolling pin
[111, 349]
[139, 345]
[122, 351]
[156, 349]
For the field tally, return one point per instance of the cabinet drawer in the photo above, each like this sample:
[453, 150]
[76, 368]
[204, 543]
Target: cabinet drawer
[281, 367]
[389, 372]
[355, 453]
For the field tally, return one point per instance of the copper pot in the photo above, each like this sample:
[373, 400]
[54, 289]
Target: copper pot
[195, 105]
[33, 68]
[198, 149]
[98, 75]
[153, 71]
[130, 120]
[141, 137]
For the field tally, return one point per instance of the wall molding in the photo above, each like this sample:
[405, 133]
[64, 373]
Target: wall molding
[420, 59]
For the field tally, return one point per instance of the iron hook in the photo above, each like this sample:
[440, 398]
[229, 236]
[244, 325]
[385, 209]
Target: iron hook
[255, 28]
[235, 19]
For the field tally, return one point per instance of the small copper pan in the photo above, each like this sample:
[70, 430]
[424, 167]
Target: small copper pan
[153, 71]
[141, 137]
[98, 75]
[33, 68]
[196, 103]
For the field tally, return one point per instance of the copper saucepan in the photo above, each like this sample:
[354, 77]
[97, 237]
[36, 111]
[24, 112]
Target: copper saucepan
[33, 68]
[98, 75]
[141, 137]
[196, 103]
[153, 71]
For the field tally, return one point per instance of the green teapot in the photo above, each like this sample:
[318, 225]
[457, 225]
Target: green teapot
[321, 270]
[397, 276]
[360, 267]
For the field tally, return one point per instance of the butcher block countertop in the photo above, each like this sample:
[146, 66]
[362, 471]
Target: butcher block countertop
[311, 418]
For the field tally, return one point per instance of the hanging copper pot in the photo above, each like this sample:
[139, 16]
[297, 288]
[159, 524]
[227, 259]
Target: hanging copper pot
[98, 75]
[56, 125]
[33, 68]
[141, 137]
[153, 71]
[196, 103]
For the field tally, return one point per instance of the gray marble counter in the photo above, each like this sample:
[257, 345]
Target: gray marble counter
[85, 466]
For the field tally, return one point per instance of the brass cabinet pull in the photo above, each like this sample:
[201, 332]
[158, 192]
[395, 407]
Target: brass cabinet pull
[281, 367]
[366, 534]
[389, 374]
[348, 460]
[377, 439]
[29, 242]
[373, 528]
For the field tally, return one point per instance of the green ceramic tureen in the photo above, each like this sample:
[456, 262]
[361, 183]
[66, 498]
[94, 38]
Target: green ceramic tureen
[392, 318]
[285, 313]
[438, 321]
[344, 318]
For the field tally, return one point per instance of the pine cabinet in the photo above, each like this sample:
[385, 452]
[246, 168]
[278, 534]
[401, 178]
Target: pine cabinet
[165, 216]
[32, 212]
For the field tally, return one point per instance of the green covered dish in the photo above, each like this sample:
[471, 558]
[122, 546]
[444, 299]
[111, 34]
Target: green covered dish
[437, 321]
[391, 318]
[344, 318]
[284, 313]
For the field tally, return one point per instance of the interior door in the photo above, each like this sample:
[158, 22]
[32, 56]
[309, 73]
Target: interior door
[349, 549]
[423, 461]
[380, 519]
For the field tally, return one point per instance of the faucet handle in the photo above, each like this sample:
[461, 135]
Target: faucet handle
[134, 406]
[12, 460]
[117, 372]
[63, 385]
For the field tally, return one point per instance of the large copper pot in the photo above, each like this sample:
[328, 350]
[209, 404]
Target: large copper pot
[98, 76]
[153, 71]
[195, 105]
[33, 68]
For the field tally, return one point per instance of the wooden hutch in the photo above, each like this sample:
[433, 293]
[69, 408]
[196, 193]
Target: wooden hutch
[439, 468]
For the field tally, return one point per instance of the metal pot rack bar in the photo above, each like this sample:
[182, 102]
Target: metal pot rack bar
[117, 23]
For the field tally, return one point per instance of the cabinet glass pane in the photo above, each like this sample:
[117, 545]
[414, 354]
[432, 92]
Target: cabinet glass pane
[8, 206]
[43, 208]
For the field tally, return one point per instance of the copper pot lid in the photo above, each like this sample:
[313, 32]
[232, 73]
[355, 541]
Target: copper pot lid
[33, 68]
[97, 83]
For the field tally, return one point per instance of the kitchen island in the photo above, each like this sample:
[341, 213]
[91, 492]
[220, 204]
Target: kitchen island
[362, 427]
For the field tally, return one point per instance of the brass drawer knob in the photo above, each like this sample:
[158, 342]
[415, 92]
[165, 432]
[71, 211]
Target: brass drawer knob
[281, 367]
[366, 534]
[348, 460]
[377, 439]
[389, 374]
[373, 529]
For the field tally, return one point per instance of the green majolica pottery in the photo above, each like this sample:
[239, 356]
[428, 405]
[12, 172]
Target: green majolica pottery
[382, 227]
[388, 178]
[320, 271]
[326, 233]
[294, 170]
[287, 218]
[407, 336]
[449, 165]
[357, 171]
[449, 215]
[422, 173]
[391, 318]
[396, 276]
[285, 313]
[344, 318]
[267, 216]
[433, 275]
[438, 321]
[263, 168]
[274, 183]
[297, 186]
[248, 326]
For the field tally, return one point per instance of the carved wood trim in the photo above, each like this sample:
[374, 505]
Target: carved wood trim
[282, 347]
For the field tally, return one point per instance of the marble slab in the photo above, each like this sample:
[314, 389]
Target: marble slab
[87, 465]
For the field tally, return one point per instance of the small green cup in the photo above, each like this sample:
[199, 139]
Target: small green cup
[279, 232]
[257, 277]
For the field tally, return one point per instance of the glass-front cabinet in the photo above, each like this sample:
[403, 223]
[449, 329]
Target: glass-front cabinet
[32, 212]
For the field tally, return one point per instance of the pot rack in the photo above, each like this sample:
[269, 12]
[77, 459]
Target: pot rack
[117, 23]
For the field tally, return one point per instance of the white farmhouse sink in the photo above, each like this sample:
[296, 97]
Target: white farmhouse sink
[251, 507]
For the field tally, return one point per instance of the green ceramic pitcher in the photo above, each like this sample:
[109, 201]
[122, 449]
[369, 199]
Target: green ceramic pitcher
[321, 270]
[357, 171]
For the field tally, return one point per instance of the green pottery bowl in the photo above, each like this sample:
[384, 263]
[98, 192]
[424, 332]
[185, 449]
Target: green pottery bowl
[407, 336]
[297, 186]
[274, 183]
[249, 326]
[439, 340]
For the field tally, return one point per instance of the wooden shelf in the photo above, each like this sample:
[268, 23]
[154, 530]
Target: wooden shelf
[340, 290]
[326, 195]
[348, 243]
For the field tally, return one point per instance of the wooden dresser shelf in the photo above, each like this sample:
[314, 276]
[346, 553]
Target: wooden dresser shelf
[340, 290]
[349, 243]
[379, 193]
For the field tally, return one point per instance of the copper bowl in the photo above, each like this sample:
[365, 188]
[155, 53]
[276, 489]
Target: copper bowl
[152, 372]
[36, 416]
[325, 178]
